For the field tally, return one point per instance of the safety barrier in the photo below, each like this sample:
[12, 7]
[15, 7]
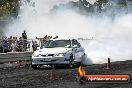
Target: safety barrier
[13, 59]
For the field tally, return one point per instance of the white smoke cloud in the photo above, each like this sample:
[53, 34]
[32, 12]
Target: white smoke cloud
[112, 38]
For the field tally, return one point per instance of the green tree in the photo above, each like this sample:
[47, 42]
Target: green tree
[8, 8]
[122, 3]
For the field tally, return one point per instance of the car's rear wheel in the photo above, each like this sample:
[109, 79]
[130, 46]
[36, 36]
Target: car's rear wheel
[36, 67]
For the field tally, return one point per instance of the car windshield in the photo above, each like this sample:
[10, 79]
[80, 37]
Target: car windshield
[58, 43]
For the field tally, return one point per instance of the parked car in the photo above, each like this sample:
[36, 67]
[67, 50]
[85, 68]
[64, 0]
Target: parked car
[58, 52]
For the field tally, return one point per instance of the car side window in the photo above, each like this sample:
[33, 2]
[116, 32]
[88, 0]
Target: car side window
[78, 44]
[75, 42]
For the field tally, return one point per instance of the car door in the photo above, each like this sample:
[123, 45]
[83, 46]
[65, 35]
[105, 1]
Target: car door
[78, 51]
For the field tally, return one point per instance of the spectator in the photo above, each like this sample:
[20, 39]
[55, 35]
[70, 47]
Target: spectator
[24, 36]
[34, 46]
[20, 45]
[28, 46]
[14, 46]
[10, 41]
[55, 37]
[5, 46]
[18, 48]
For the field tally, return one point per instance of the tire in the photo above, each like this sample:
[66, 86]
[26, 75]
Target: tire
[71, 63]
[79, 64]
[36, 67]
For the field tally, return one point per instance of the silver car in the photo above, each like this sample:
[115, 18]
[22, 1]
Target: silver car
[58, 52]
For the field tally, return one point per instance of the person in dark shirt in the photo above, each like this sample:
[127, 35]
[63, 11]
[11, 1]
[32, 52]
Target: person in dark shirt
[24, 36]
[34, 45]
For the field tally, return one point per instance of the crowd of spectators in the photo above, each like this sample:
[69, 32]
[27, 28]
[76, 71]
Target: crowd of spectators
[14, 44]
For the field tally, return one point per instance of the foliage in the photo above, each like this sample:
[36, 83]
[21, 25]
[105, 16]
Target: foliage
[8, 8]
[108, 7]
[11, 7]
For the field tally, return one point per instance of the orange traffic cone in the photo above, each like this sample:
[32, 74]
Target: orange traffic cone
[53, 74]
[108, 64]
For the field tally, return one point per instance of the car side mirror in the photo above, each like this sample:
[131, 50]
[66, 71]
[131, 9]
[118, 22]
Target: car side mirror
[75, 46]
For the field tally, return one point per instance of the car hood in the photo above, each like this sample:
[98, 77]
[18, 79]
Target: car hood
[52, 50]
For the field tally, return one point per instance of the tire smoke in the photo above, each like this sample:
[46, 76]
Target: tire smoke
[111, 38]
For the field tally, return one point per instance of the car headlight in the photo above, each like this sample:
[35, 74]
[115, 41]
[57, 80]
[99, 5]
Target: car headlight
[35, 55]
[60, 54]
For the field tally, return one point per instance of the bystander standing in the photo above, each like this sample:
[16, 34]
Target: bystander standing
[5, 46]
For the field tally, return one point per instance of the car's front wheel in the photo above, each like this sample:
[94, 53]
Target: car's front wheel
[71, 63]
[36, 67]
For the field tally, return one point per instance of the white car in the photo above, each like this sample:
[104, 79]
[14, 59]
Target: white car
[58, 52]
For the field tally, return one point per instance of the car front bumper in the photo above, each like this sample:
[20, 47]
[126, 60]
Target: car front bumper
[49, 60]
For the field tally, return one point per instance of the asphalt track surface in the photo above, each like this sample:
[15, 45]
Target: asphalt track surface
[26, 77]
